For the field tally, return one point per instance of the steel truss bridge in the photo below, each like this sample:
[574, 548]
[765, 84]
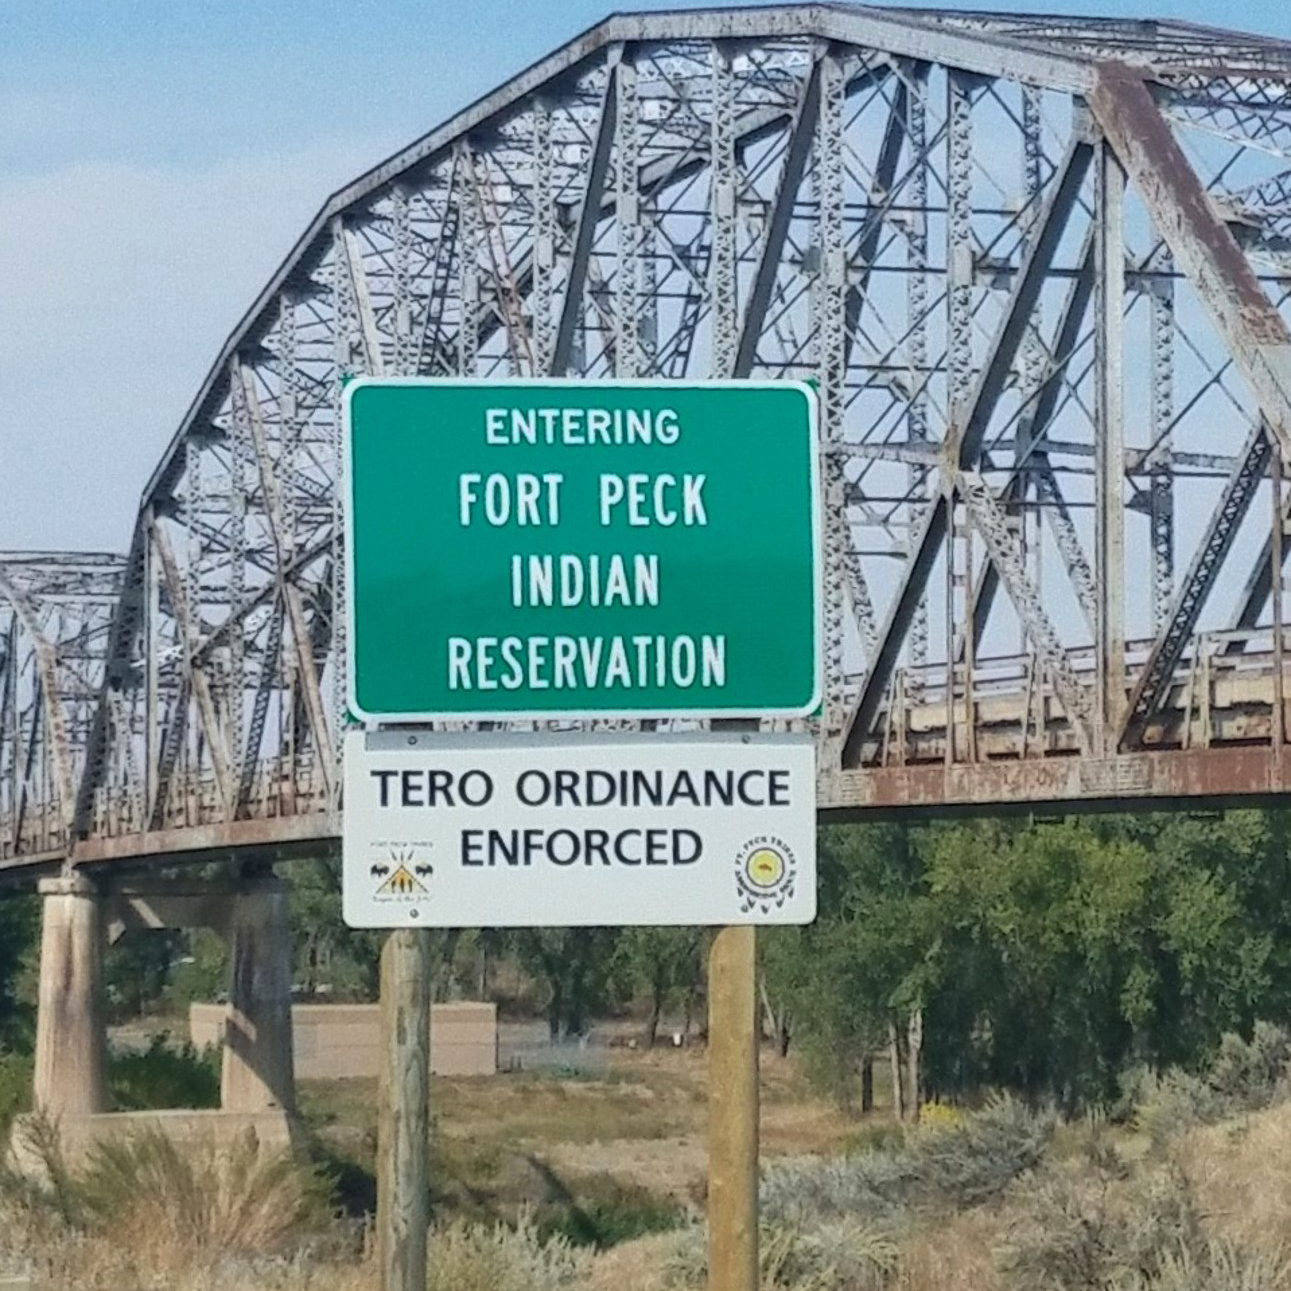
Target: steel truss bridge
[1040, 270]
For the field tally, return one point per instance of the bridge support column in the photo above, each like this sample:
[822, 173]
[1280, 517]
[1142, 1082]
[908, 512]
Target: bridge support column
[259, 1068]
[70, 1035]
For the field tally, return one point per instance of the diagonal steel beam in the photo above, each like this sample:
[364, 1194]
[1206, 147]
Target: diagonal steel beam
[1026, 292]
[248, 407]
[1158, 672]
[127, 621]
[260, 709]
[878, 202]
[47, 669]
[964, 443]
[194, 673]
[1075, 307]
[1255, 334]
[797, 155]
[1258, 586]
[363, 303]
[990, 522]
[25, 776]
[589, 214]
[171, 740]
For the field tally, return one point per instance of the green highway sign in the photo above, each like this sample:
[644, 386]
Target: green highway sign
[581, 549]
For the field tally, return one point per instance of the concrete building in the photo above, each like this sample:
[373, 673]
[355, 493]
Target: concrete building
[342, 1041]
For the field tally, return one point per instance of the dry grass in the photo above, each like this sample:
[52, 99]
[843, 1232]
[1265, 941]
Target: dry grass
[1240, 1170]
[186, 1204]
[640, 1265]
[643, 1124]
[957, 1255]
[147, 1212]
[217, 1224]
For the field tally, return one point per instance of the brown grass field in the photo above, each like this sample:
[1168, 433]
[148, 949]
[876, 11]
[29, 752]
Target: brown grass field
[521, 1160]
[512, 1140]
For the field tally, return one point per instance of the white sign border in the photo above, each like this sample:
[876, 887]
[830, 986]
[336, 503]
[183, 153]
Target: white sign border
[389, 739]
[598, 714]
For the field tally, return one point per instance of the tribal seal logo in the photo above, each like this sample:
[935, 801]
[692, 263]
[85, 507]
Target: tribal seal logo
[765, 870]
[400, 876]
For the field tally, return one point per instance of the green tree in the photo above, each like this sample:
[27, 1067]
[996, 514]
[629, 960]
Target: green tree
[1042, 957]
[326, 951]
[660, 963]
[849, 978]
[19, 934]
[137, 969]
[1069, 950]
[574, 965]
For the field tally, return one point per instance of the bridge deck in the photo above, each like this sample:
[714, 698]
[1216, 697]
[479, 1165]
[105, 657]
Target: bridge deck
[1012, 747]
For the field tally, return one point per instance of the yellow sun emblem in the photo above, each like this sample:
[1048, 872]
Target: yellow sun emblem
[764, 867]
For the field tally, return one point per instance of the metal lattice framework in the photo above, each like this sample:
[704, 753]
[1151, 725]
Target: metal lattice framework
[1038, 267]
[56, 615]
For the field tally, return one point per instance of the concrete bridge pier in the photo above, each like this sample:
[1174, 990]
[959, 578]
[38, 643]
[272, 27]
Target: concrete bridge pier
[258, 1072]
[79, 917]
[70, 1036]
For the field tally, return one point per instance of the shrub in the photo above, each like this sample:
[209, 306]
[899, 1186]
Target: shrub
[953, 1165]
[15, 1088]
[189, 1203]
[479, 1257]
[607, 1221]
[164, 1075]
[1219, 1266]
[967, 1163]
[1088, 1223]
[1250, 1075]
[842, 1255]
[1245, 1077]
[1175, 1102]
[799, 1189]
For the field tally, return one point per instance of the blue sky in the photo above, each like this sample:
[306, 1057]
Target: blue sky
[157, 160]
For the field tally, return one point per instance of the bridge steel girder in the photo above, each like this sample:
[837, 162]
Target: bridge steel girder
[1157, 676]
[1046, 402]
[56, 611]
[1256, 335]
[874, 199]
[964, 443]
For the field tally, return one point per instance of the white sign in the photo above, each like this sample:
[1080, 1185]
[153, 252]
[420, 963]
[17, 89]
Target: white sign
[449, 830]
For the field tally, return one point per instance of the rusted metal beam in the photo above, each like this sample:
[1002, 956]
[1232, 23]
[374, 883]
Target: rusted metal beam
[206, 842]
[879, 201]
[375, 365]
[1075, 307]
[1157, 780]
[797, 153]
[1255, 334]
[989, 521]
[1259, 584]
[1109, 448]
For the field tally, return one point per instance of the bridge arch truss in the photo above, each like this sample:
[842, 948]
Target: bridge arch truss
[1039, 269]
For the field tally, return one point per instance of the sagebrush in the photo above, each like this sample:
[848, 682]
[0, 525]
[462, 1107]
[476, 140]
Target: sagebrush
[954, 1165]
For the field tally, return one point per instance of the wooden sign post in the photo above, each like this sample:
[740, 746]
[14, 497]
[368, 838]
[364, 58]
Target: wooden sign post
[733, 1111]
[403, 1126]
